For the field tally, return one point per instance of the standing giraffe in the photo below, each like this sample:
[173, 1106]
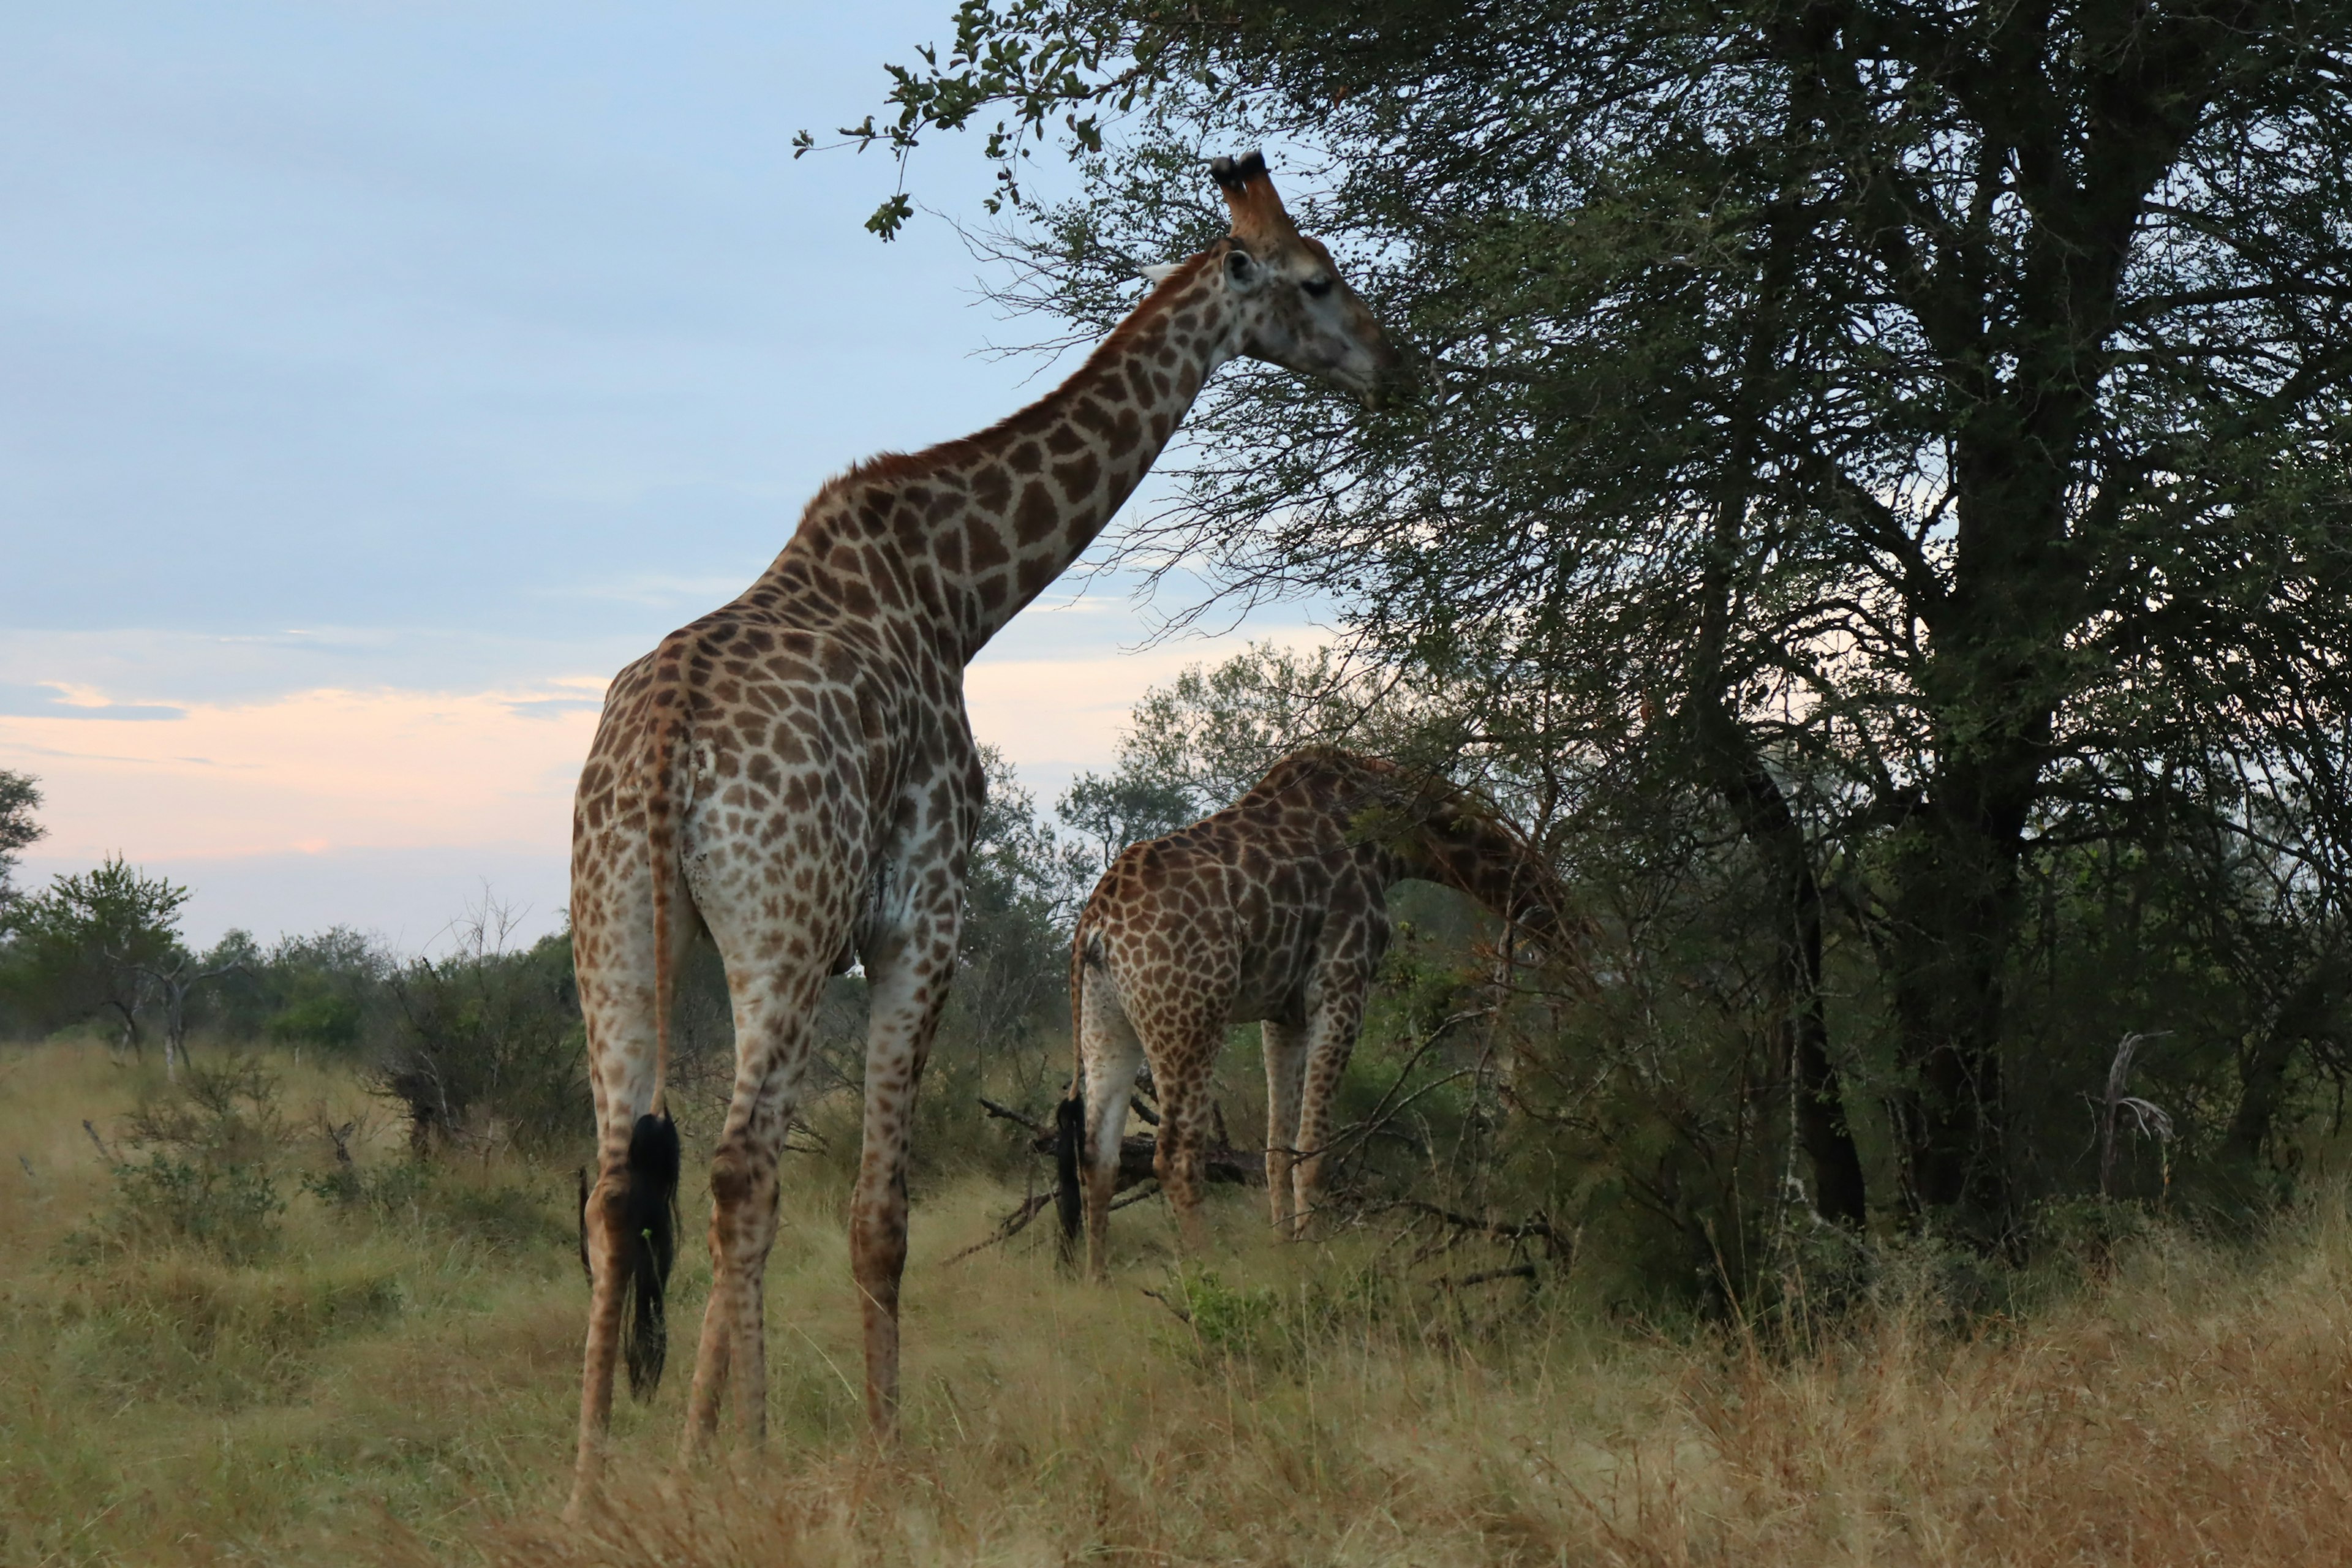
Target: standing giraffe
[794, 774]
[1274, 908]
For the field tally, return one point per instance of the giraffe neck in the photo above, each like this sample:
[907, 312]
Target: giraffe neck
[1489, 863]
[970, 531]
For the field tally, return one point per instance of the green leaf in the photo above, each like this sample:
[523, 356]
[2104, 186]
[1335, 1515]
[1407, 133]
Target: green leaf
[890, 216]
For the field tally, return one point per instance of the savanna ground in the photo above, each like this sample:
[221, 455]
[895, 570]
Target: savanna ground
[384, 1371]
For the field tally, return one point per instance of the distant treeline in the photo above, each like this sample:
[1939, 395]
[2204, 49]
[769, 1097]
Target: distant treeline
[2175, 1010]
[484, 1037]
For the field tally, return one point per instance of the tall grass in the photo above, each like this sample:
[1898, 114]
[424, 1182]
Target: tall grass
[394, 1381]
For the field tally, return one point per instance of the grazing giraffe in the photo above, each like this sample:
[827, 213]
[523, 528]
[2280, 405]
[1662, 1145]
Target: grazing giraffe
[1274, 908]
[794, 774]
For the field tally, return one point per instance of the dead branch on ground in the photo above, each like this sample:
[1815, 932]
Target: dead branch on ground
[1560, 1245]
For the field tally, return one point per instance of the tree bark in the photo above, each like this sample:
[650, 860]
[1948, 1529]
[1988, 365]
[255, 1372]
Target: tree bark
[2262, 1072]
[1956, 916]
[1993, 678]
[1821, 1127]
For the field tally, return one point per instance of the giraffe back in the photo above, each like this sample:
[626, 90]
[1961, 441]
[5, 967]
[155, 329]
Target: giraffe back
[1233, 914]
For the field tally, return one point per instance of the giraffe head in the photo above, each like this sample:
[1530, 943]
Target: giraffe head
[1295, 311]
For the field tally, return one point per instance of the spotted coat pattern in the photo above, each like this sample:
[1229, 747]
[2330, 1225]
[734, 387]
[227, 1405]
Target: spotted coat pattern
[794, 774]
[1275, 909]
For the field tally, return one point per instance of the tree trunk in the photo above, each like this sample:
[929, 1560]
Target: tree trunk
[131, 1040]
[1779, 838]
[175, 1029]
[1955, 917]
[1821, 1127]
[1998, 666]
[1737, 773]
[2262, 1072]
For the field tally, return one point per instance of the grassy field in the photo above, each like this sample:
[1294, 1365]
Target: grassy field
[385, 1372]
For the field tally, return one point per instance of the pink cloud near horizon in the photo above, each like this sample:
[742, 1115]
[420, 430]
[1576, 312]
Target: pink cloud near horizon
[237, 797]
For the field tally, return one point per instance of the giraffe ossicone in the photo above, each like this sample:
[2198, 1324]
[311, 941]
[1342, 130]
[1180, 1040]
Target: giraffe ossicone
[1275, 909]
[794, 773]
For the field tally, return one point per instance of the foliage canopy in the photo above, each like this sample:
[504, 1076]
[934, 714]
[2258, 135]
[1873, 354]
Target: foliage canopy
[1912, 435]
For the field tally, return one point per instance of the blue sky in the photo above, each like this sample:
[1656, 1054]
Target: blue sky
[376, 379]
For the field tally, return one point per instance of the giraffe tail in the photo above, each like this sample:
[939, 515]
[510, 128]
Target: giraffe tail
[650, 1212]
[673, 701]
[1070, 1115]
[649, 1208]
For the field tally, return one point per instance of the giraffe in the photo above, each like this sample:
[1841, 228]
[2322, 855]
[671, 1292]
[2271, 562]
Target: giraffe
[1274, 908]
[794, 774]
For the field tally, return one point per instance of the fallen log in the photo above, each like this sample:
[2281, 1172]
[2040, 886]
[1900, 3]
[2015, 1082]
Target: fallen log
[1561, 1244]
[1238, 1167]
[1220, 1162]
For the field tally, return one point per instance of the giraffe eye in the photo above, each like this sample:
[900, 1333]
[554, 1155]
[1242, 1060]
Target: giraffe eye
[1317, 287]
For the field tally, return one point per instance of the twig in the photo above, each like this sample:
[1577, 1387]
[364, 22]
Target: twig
[1560, 1245]
[1362, 1130]
[1488, 1276]
[1182, 1315]
[99, 1143]
[1006, 1114]
[1220, 1163]
[1147, 1189]
[1010, 1226]
[1380, 1112]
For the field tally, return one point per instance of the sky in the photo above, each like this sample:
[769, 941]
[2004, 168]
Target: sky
[377, 379]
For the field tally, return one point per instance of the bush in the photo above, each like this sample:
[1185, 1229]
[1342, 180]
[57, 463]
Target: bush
[417, 1193]
[229, 1210]
[1227, 1320]
[488, 1043]
[206, 1176]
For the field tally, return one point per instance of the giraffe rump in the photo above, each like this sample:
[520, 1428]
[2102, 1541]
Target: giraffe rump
[650, 1213]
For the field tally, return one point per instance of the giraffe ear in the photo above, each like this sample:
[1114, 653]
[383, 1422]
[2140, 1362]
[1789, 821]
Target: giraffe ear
[1159, 272]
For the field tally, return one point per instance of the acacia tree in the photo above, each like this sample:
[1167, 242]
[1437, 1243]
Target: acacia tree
[173, 979]
[1921, 425]
[20, 797]
[89, 943]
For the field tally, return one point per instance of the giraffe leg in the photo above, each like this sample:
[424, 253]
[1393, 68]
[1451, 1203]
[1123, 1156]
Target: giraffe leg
[1183, 1129]
[733, 1348]
[1331, 1041]
[1108, 1055]
[612, 933]
[908, 979]
[607, 1270]
[1286, 1069]
[772, 1033]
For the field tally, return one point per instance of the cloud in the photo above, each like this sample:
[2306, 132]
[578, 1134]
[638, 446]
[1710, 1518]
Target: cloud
[59, 701]
[551, 706]
[386, 806]
[1055, 716]
[330, 768]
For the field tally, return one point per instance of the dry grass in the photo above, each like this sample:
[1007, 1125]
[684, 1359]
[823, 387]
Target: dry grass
[401, 1390]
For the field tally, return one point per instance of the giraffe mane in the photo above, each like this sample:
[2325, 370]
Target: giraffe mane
[889, 467]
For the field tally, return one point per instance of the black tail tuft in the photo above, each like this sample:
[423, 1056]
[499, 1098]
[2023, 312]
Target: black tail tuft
[650, 1213]
[1069, 1127]
[586, 1269]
